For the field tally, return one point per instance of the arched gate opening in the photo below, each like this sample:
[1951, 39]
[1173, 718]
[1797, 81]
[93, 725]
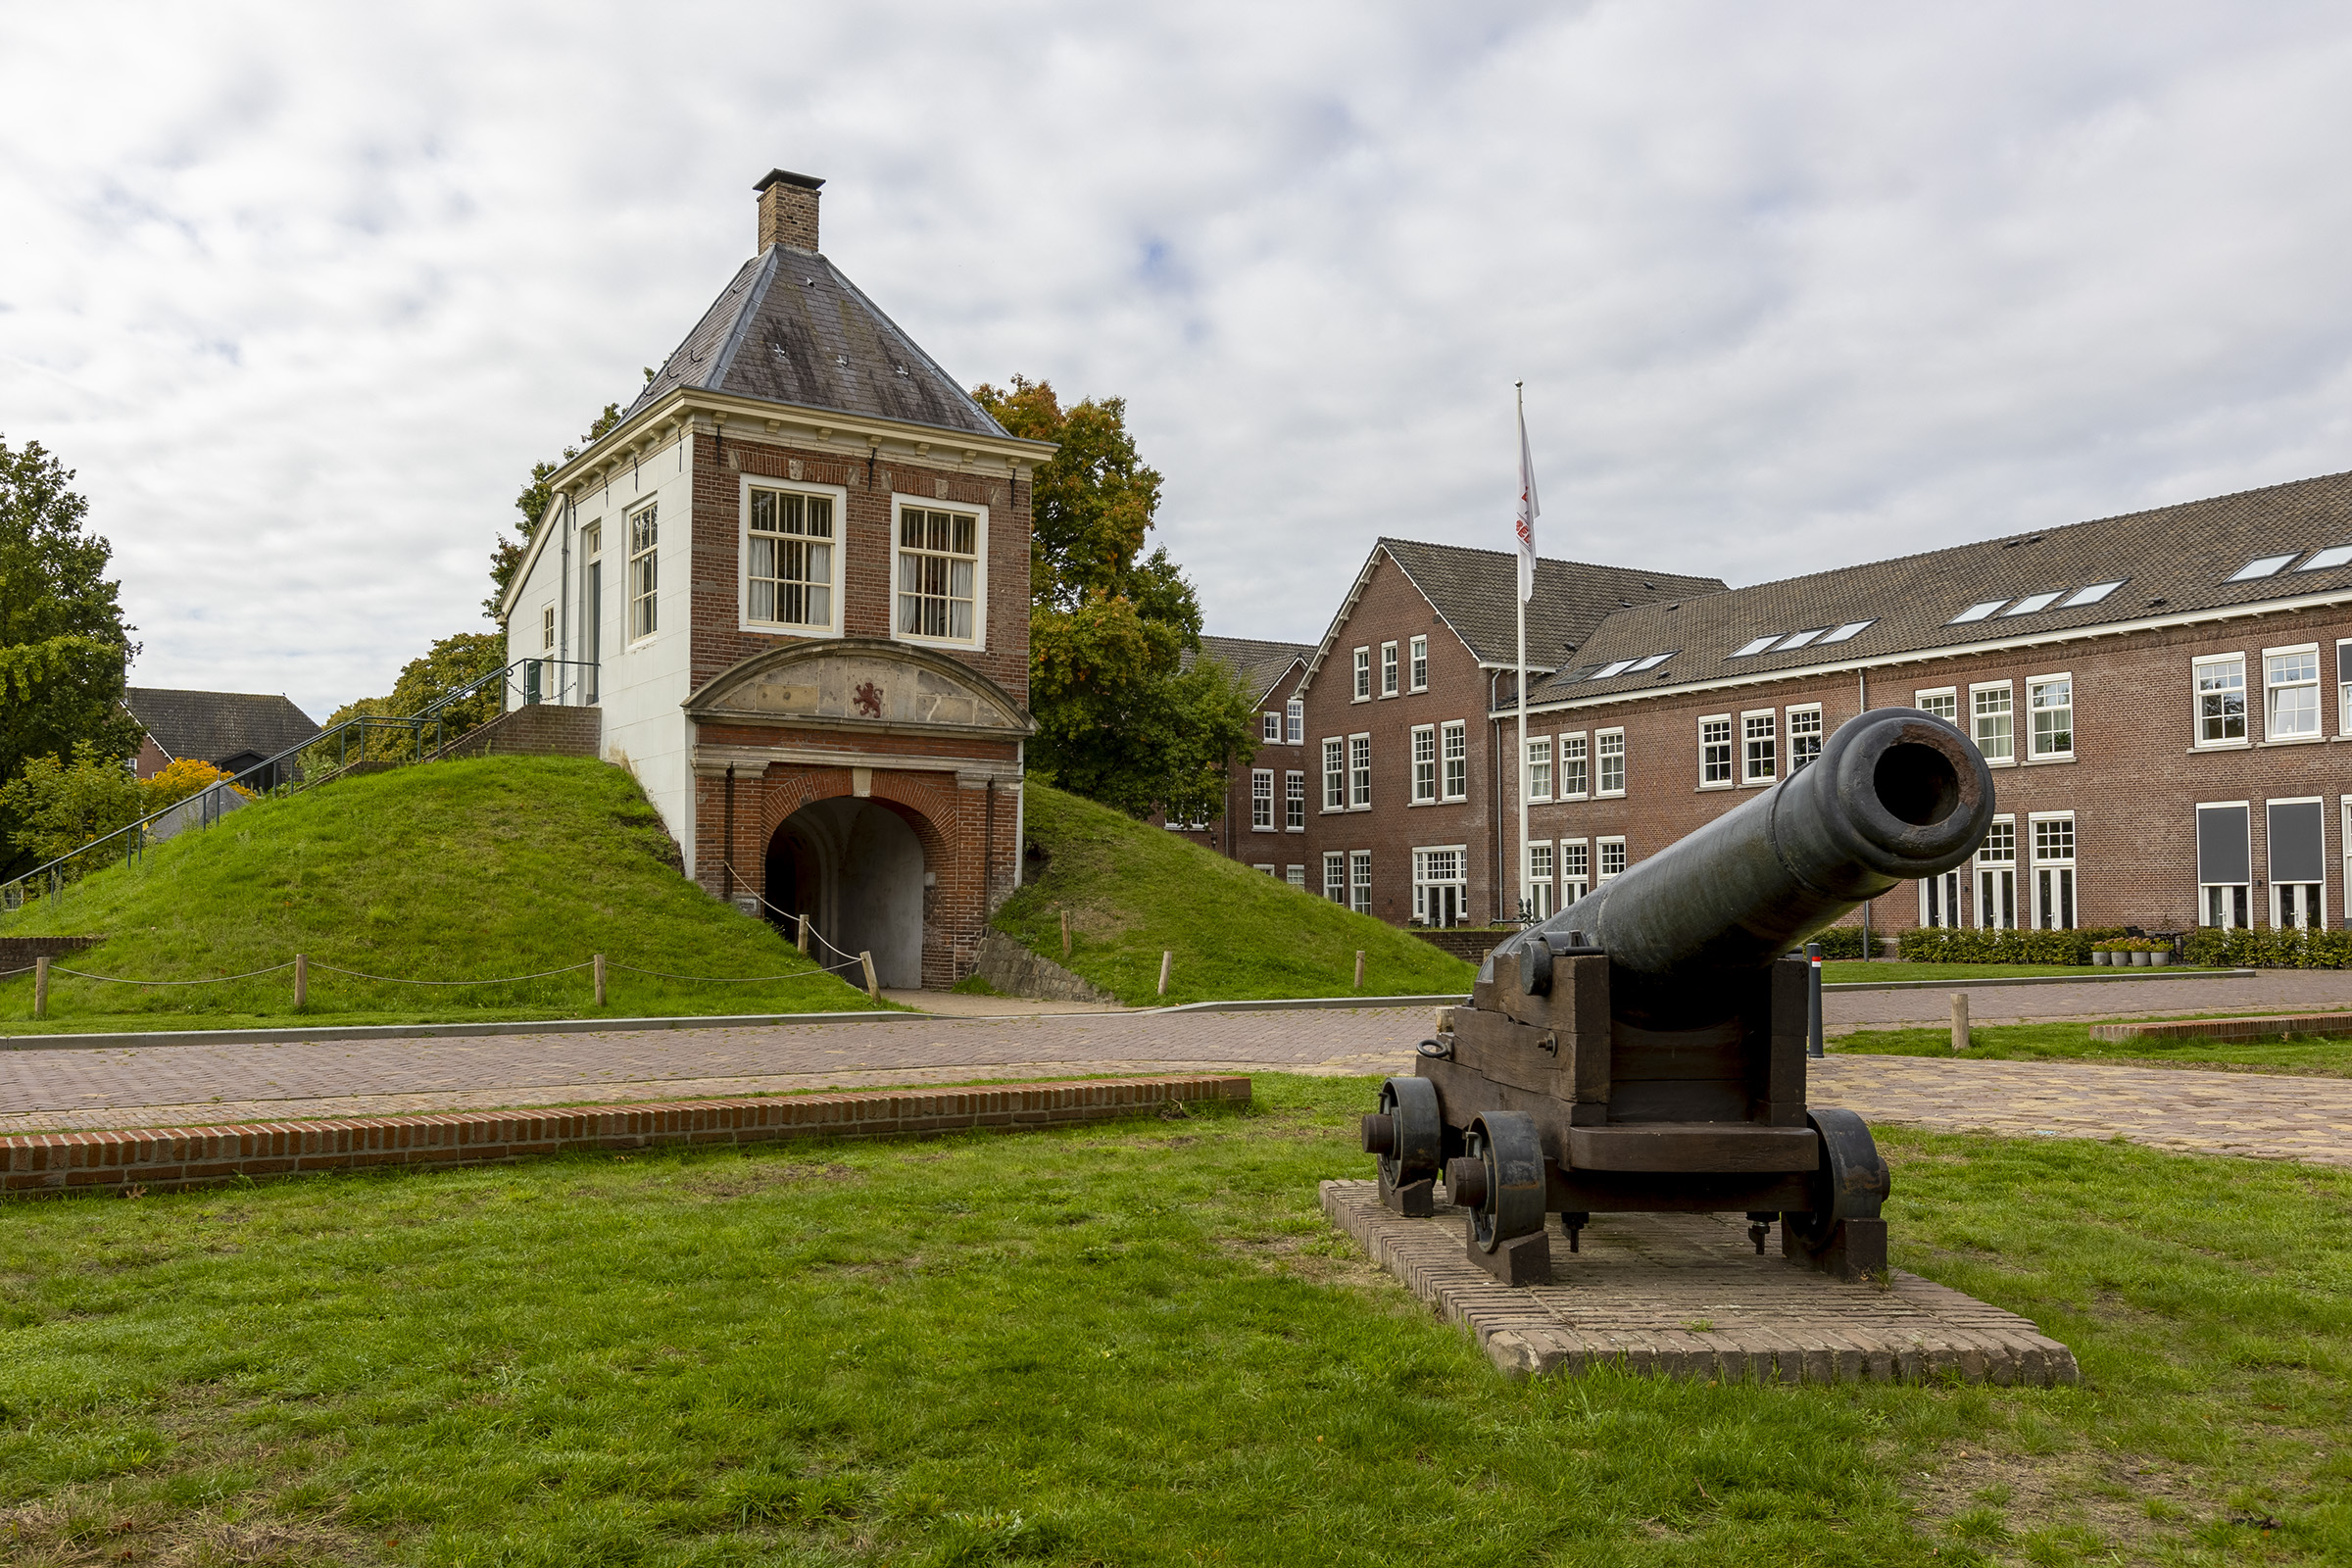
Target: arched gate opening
[856, 869]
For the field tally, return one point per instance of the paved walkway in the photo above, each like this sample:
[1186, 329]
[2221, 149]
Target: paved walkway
[2265, 1115]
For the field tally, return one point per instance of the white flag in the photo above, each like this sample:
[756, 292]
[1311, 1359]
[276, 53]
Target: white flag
[1529, 511]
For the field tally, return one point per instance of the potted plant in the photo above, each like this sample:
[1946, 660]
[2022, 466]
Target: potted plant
[2102, 954]
[2160, 951]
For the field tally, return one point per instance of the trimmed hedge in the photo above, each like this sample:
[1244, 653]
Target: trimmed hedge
[1966, 945]
[1838, 942]
[2270, 948]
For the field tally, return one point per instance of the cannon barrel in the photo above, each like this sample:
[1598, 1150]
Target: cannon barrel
[1895, 794]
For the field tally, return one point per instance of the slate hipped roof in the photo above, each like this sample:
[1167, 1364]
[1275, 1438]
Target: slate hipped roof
[2172, 560]
[1260, 664]
[790, 329]
[215, 726]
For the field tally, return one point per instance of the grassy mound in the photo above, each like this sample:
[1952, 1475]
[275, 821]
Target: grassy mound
[463, 870]
[1134, 891]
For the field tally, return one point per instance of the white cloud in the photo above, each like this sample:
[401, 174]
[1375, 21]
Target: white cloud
[302, 292]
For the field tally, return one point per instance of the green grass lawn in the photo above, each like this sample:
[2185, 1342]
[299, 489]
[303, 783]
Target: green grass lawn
[1135, 1344]
[1134, 891]
[495, 866]
[2071, 1042]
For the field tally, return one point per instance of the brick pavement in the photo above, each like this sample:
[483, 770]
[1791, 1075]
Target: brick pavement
[2266, 1115]
[2270, 990]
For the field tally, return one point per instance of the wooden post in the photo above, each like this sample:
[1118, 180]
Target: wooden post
[1167, 961]
[302, 979]
[1959, 1020]
[1066, 933]
[600, 979]
[873, 987]
[40, 987]
[801, 941]
[1359, 968]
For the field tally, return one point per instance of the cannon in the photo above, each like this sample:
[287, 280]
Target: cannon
[1643, 1050]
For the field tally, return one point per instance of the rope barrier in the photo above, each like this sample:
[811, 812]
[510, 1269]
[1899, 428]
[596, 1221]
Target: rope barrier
[718, 979]
[498, 980]
[218, 980]
[815, 934]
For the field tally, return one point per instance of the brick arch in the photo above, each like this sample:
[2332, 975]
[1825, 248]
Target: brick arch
[945, 825]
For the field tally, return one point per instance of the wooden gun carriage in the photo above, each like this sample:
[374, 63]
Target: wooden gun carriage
[1644, 1050]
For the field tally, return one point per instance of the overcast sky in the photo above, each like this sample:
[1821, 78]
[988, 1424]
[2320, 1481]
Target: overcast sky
[302, 291]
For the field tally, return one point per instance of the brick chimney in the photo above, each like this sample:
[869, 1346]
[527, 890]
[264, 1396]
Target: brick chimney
[788, 210]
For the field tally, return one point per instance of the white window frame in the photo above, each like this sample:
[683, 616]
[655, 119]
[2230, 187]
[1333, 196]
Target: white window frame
[1727, 744]
[1940, 694]
[643, 589]
[1792, 736]
[978, 641]
[1976, 726]
[834, 584]
[1601, 858]
[1578, 876]
[1261, 800]
[1583, 766]
[1536, 780]
[1602, 753]
[2197, 704]
[1294, 800]
[2271, 873]
[2269, 709]
[1424, 883]
[1388, 673]
[1454, 759]
[1416, 665]
[1294, 721]
[1359, 881]
[1295, 876]
[1334, 877]
[1940, 901]
[1334, 777]
[1422, 787]
[547, 628]
[2057, 886]
[1542, 861]
[1770, 718]
[1271, 870]
[1363, 675]
[1269, 728]
[2206, 891]
[2034, 686]
[1986, 875]
[1360, 772]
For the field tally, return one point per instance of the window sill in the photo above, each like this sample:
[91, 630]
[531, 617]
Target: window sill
[2048, 761]
[1610, 794]
[1254, 828]
[961, 645]
[1757, 783]
[1300, 829]
[1366, 807]
[1714, 789]
[2294, 740]
[2221, 746]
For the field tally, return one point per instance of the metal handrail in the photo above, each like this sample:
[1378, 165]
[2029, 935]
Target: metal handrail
[415, 723]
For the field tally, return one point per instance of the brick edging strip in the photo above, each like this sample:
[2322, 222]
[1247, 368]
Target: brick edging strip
[2268, 1027]
[160, 1158]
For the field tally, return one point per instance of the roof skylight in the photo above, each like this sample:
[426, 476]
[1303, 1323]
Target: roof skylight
[1655, 660]
[2031, 602]
[2260, 567]
[1976, 612]
[1849, 629]
[1618, 668]
[1799, 639]
[1756, 646]
[2090, 595]
[2333, 556]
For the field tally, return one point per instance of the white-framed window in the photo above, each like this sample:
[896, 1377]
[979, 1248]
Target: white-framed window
[1359, 773]
[1295, 876]
[547, 629]
[1269, 728]
[592, 607]
[1943, 701]
[2050, 709]
[941, 568]
[1441, 885]
[1994, 713]
[1608, 748]
[2221, 683]
[1273, 872]
[2053, 870]
[1359, 881]
[645, 570]
[1759, 747]
[1335, 775]
[1574, 767]
[1996, 876]
[1425, 764]
[1940, 899]
[2295, 837]
[2290, 680]
[2343, 686]
[1294, 721]
[1540, 861]
[1335, 876]
[2225, 863]
[1294, 801]
[1612, 857]
[1576, 870]
[1805, 737]
[1387, 669]
[1715, 752]
[1363, 675]
[791, 563]
[1417, 664]
[1261, 800]
[1453, 750]
[1539, 768]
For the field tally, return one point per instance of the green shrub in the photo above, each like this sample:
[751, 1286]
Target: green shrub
[1966, 945]
[2268, 948]
[1838, 942]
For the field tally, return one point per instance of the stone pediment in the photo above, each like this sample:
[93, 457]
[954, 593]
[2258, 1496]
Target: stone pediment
[859, 683]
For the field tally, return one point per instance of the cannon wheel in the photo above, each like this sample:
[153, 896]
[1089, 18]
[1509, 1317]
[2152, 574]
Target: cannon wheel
[1420, 1131]
[1505, 1146]
[1851, 1181]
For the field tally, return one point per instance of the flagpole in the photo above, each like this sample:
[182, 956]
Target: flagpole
[1520, 772]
